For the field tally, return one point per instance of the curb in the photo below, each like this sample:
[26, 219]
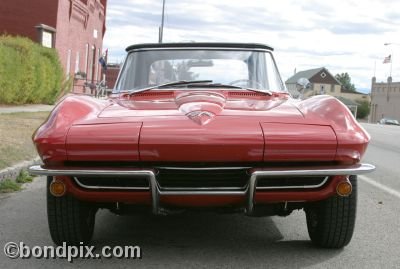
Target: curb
[13, 171]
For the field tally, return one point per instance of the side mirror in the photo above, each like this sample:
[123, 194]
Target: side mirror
[301, 85]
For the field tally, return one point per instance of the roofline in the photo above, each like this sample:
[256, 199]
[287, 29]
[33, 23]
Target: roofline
[199, 45]
[332, 76]
[319, 70]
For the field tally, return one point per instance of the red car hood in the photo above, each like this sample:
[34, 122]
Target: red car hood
[216, 126]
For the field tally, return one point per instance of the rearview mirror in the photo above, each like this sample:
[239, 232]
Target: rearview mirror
[200, 63]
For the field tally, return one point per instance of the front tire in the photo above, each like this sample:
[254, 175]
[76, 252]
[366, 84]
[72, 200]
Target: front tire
[331, 222]
[70, 220]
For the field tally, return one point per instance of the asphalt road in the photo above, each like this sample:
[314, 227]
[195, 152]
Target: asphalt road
[226, 241]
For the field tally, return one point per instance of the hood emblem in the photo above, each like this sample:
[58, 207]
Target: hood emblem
[200, 117]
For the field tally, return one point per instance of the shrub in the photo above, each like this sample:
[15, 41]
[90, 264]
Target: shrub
[29, 73]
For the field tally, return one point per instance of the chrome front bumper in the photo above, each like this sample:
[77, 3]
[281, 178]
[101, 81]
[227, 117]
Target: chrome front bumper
[249, 191]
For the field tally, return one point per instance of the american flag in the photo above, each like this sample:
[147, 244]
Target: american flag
[387, 59]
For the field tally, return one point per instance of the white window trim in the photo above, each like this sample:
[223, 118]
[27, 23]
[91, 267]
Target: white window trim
[77, 60]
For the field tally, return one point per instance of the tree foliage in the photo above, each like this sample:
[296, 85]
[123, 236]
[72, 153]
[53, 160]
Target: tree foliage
[363, 109]
[345, 80]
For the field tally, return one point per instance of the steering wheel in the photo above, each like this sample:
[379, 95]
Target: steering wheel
[246, 83]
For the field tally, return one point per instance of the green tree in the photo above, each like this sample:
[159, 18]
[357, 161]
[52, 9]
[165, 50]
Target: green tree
[363, 109]
[345, 80]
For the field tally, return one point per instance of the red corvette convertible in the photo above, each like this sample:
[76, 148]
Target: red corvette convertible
[201, 126]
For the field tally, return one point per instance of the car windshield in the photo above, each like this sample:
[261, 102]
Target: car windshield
[216, 67]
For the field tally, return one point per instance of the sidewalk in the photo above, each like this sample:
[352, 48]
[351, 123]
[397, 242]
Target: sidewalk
[24, 108]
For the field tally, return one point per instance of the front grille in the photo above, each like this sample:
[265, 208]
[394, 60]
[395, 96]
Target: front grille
[227, 179]
[305, 182]
[113, 182]
[201, 179]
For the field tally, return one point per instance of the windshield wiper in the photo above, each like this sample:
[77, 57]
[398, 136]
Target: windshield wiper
[203, 83]
[170, 84]
[267, 92]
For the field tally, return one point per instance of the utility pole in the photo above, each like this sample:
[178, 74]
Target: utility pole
[161, 29]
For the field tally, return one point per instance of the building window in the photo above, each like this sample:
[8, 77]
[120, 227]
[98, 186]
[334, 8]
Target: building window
[47, 39]
[323, 75]
[68, 62]
[92, 64]
[86, 57]
[97, 64]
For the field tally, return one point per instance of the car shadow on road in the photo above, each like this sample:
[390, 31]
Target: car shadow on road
[208, 239]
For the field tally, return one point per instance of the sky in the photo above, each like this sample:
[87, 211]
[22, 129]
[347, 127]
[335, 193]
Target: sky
[341, 35]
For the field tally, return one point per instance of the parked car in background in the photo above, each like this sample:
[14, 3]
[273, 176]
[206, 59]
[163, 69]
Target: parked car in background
[201, 125]
[388, 121]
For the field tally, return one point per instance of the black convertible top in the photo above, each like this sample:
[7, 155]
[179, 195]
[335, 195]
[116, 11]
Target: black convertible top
[199, 45]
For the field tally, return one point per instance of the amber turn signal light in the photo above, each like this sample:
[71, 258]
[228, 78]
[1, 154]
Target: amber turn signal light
[57, 188]
[344, 188]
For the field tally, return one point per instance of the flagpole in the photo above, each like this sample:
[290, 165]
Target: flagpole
[391, 55]
[391, 63]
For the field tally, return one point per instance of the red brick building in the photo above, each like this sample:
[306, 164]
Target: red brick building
[74, 27]
[112, 74]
